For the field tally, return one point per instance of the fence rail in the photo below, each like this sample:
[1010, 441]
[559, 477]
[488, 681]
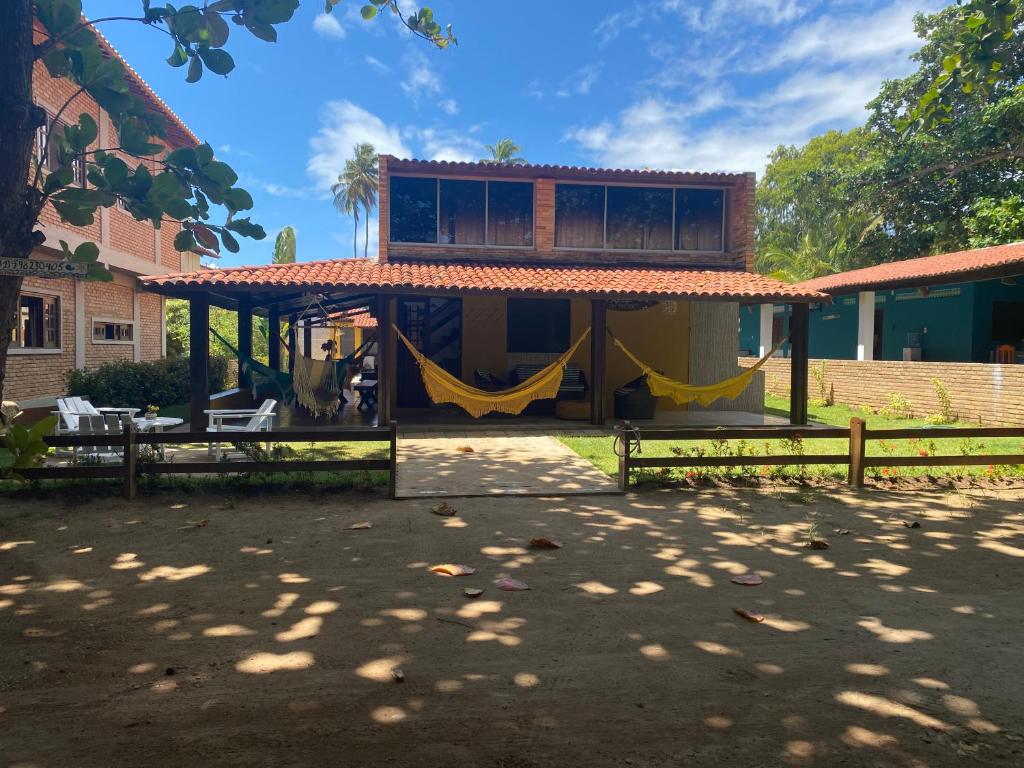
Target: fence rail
[130, 468]
[857, 435]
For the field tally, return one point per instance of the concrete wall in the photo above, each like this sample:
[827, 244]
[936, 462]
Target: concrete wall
[992, 395]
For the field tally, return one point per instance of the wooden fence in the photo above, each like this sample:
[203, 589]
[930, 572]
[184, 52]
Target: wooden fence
[857, 435]
[130, 468]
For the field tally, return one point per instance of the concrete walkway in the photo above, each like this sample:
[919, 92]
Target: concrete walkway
[526, 465]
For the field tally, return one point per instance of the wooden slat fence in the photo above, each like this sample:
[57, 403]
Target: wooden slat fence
[856, 434]
[130, 468]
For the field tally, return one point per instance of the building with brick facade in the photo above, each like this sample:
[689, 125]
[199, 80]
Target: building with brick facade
[67, 323]
[490, 270]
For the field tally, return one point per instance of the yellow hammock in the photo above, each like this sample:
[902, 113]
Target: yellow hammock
[442, 387]
[662, 386]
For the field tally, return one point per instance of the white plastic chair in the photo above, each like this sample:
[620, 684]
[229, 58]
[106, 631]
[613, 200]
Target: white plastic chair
[255, 420]
[109, 424]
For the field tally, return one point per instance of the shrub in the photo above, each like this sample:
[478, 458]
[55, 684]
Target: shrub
[898, 407]
[159, 382]
[945, 414]
[826, 393]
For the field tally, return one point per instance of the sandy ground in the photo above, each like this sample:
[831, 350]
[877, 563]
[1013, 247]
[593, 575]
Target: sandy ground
[205, 631]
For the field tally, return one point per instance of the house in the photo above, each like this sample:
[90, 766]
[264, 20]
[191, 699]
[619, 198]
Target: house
[966, 306]
[492, 270]
[65, 323]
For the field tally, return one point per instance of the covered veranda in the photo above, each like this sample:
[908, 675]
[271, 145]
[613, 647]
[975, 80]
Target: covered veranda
[307, 294]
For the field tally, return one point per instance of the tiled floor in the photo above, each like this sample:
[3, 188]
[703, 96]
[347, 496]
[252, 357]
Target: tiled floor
[499, 465]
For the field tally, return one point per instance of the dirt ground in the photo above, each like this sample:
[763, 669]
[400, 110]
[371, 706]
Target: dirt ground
[210, 631]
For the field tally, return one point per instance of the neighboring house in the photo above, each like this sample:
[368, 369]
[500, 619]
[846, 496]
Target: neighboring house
[966, 306]
[66, 323]
[490, 268]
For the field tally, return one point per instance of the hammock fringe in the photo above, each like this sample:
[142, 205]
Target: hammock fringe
[442, 387]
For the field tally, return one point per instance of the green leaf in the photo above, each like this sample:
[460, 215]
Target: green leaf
[220, 173]
[58, 179]
[217, 61]
[205, 236]
[116, 171]
[86, 253]
[42, 428]
[195, 70]
[246, 228]
[56, 62]
[99, 273]
[261, 30]
[80, 136]
[229, 241]
[59, 16]
[178, 57]
[237, 199]
[368, 11]
[216, 27]
[184, 241]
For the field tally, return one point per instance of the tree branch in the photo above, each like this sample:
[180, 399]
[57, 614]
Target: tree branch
[951, 168]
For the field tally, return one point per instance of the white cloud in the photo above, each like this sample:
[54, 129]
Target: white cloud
[448, 144]
[450, 106]
[342, 126]
[579, 82]
[728, 12]
[614, 24]
[420, 77]
[327, 24]
[376, 63]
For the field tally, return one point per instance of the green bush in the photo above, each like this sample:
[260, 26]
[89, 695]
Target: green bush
[159, 382]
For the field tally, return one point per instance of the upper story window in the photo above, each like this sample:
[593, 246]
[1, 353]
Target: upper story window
[639, 218]
[461, 212]
[48, 145]
[38, 325]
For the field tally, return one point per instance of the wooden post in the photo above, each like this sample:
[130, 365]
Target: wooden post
[624, 462]
[598, 359]
[130, 459]
[385, 360]
[198, 359]
[858, 439]
[292, 340]
[393, 472]
[274, 338]
[307, 338]
[244, 339]
[798, 345]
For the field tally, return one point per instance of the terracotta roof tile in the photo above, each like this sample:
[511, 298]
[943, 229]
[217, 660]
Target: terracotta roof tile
[961, 266]
[594, 281]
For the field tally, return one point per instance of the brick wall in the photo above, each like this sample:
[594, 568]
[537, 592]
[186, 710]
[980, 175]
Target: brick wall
[988, 394]
[151, 320]
[112, 301]
[36, 373]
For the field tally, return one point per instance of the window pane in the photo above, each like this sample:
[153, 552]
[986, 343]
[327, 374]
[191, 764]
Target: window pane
[640, 218]
[462, 212]
[538, 325]
[413, 210]
[699, 219]
[51, 322]
[30, 320]
[510, 213]
[579, 216]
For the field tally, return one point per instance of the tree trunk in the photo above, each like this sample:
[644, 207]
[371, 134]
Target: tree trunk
[18, 120]
[355, 235]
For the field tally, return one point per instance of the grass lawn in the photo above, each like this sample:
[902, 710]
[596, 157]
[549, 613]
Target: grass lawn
[598, 450]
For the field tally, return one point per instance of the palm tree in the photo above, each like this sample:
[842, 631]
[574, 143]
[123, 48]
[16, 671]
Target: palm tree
[504, 152]
[357, 187]
[284, 247]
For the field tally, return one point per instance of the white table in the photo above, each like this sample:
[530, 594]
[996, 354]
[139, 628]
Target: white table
[158, 424]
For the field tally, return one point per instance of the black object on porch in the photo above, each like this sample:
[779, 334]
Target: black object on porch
[198, 358]
[799, 326]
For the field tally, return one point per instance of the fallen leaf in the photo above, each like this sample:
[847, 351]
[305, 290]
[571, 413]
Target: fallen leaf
[472, 592]
[465, 449]
[511, 585]
[753, 616]
[200, 524]
[359, 526]
[444, 509]
[818, 544]
[452, 569]
[748, 580]
[543, 543]
[843, 531]
[914, 524]
[398, 675]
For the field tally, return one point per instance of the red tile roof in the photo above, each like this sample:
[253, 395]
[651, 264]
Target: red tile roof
[470, 277]
[961, 266]
[359, 318]
[530, 171]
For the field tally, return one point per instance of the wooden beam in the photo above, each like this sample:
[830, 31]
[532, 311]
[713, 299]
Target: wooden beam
[198, 359]
[799, 326]
[385, 360]
[598, 359]
[292, 339]
[244, 340]
[274, 337]
[307, 338]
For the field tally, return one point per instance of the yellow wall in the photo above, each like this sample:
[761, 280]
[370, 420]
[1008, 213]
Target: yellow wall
[658, 337]
[484, 336]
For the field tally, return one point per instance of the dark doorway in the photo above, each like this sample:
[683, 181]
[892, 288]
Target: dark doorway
[434, 326]
[876, 346]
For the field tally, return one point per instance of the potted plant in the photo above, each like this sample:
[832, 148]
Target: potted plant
[152, 411]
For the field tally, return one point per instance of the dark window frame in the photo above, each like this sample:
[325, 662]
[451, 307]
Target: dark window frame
[49, 319]
[48, 160]
[110, 331]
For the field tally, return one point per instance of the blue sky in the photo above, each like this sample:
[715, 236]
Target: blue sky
[683, 84]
